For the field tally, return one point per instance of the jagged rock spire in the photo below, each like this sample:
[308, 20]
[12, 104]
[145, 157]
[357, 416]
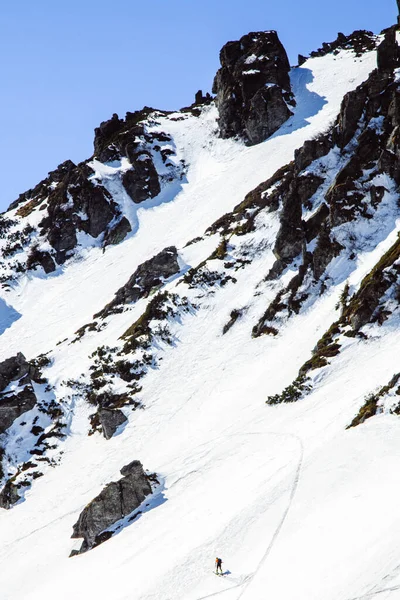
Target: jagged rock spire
[253, 87]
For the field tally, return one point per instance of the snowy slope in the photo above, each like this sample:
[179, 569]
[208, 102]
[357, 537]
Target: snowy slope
[295, 504]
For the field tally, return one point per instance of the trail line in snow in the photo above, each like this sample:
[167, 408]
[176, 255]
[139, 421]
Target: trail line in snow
[369, 594]
[24, 537]
[296, 480]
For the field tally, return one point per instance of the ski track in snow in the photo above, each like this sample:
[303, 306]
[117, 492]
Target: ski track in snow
[250, 578]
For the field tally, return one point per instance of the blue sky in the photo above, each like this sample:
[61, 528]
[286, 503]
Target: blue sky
[66, 66]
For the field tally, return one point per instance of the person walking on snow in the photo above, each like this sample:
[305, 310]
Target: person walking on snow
[218, 565]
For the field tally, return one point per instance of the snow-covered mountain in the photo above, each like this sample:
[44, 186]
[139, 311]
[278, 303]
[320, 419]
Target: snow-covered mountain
[199, 329]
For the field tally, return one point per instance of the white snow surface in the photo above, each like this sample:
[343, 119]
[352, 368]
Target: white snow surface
[296, 505]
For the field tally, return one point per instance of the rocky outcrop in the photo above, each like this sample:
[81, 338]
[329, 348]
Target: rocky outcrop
[117, 138]
[365, 306]
[253, 87]
[9, 495]
[292, 233]
[76, 204]
[326, 249]
[310, 151]
[199, 99]
[74, 199]
[117, 500]
[147, 276]
[40, 258]
[290, 238]
[13, 403]
[141, 181]
[359, 41]
[110, 420]
[18, 401]
[388, 55]
[118, 232]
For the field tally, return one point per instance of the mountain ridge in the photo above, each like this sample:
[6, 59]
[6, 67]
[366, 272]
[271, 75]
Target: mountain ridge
[198, 318]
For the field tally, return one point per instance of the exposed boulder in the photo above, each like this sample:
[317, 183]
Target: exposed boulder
[116, 501]
[21, 399]
[9, 495]
[117, 233]
[12, 369]
[253, 87]
[147, 276]
[15, 404]
[141, 181]
[40, 258]
[110, 420]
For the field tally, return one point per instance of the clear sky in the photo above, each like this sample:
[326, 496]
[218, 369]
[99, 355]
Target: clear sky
[66, 66]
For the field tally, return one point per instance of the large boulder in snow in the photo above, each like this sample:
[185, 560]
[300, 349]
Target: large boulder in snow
[117, 500]
[147, 276]
[110, 420]
[253, 87]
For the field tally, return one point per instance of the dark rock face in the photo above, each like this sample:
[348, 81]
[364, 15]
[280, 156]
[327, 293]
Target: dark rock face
[118, 232]
[369, 303]
[14, 404]
[104, 132]
[141, 182]
[324, 252]
[9, 496]
[310, 151]
[313, 225]
[350, 114]
[128, 138]
[110, 420]
[388, 55]
[12, 369]
[38, 258]
[290, 238]
[253, 87]
[148, 275]
[359, 41]
[117, 500]
[200, 99]
[74, 198]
